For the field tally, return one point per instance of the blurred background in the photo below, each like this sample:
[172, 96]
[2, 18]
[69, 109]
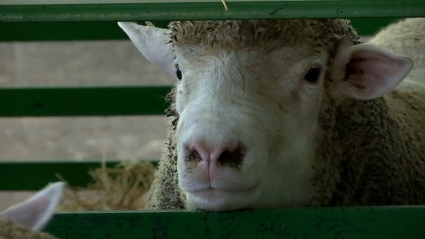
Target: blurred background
[101, 63]
[78, 63]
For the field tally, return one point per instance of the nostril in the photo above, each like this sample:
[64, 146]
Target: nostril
[223, 155]
[193, 155]
[197, 153]
[232, 158]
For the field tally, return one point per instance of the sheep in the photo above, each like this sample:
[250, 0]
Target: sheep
[26, 219]
[284, 113]
[406, 37]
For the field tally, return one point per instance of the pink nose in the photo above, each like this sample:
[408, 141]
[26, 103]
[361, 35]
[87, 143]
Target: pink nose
[221, 155]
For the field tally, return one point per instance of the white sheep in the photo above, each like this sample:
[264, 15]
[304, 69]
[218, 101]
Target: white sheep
[282, 113]
[26, 219]
[406, 37]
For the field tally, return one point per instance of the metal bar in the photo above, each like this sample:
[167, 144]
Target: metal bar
[54, 2]
[21, 176]
[84, 101]
[16, 176]
[324, 223]
[65, 31]
[212, 10]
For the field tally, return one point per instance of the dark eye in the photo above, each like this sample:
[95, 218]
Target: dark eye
[179, 74]
[313, 74]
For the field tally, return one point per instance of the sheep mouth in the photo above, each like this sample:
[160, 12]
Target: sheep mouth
[212, 192]
[214, 199]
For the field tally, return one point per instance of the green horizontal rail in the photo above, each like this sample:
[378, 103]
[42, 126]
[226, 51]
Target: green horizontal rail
[97, 30]
[323, 223]
[212, 10]
[83, 101]
[21, 176]
[17, 176]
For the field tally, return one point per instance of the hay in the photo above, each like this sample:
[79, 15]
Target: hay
[123, 187]
[225, 5]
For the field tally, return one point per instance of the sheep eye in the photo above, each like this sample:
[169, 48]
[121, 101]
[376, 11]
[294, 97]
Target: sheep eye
[179, 74]
[313, 74]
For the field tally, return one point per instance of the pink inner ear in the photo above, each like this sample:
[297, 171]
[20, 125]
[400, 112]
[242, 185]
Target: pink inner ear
[374, 73]
[366, 68]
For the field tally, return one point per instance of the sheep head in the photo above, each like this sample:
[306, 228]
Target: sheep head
[250, 96]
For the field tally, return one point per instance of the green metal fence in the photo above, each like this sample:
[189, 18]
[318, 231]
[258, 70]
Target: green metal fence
[72, 20]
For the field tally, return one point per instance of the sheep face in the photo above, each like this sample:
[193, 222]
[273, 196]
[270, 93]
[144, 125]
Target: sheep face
[248, 129]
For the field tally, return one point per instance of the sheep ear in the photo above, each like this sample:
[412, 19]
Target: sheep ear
[37, 211]
[153, 43]
[365, 72]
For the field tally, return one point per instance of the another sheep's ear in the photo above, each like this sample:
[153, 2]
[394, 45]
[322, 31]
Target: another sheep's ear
[367, 72]
[153, 43]
[37, 211]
